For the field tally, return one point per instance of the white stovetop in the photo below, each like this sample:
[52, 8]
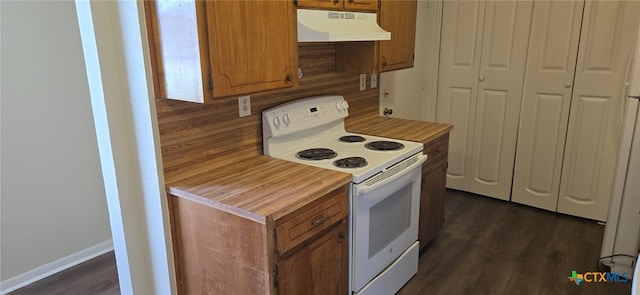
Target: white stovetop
[318, 122]
[377, 160]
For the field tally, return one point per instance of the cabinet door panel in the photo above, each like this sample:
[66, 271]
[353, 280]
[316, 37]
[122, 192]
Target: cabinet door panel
[351, 5]
[606, 43]
[364, 5]
[397, 53]
[461, 40]
[504, 50]
[321, 268]
[434, 179]
[553, 47]
[325, 4]
[257, 54]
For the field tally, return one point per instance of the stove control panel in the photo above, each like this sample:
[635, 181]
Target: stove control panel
[303, 114]
[315, 112]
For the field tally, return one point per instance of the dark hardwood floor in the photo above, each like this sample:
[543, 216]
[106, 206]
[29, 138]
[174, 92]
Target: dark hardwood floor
[487, 246]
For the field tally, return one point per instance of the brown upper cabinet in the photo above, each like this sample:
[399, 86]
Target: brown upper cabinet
[202, 50]
[395, 16]
[353, 5]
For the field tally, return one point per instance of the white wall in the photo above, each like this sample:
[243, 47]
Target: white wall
[52, 198]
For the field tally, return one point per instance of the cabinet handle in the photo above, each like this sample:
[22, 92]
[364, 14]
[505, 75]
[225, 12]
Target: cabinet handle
[289, 78]
[567, 85]
[336, 1]
[481, 78]
[319, 221]
[341, 235]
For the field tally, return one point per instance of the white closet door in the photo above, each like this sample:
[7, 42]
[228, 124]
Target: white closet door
[461, 39]
[504, 52]
[551, 61]
[596, 107]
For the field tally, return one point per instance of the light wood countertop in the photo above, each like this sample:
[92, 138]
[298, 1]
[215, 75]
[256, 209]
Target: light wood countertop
[259, 187]
[404, 129]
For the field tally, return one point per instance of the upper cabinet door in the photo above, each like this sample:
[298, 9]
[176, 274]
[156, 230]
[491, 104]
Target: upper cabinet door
[395, 16]
[252, 44]
[322, 4]
[355, 5]
[207, 49]
[398, 17]
[364, 5]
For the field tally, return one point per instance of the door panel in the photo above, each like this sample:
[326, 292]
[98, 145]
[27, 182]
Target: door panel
[504, 51]
[596, 109]
[491, 114]
[548, 118]
[460, 100]
[461, 39]
[589, 116]
[553, 47]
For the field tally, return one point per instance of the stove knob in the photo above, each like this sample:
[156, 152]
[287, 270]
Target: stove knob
[339, 106]
[286, 119]
[276, 122]
[346, 104]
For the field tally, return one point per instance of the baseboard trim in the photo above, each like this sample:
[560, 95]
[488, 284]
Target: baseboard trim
[56, 266]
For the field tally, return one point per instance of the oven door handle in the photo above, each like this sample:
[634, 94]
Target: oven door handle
[363, 188]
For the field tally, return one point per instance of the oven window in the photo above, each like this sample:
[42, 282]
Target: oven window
[389, 219]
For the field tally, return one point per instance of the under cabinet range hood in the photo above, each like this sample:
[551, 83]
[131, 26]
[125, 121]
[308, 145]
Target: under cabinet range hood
[336, 26]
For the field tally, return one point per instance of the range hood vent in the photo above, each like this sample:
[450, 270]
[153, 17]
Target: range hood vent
[336, 26]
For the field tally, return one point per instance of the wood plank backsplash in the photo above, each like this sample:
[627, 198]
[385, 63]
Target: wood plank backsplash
[193, 133]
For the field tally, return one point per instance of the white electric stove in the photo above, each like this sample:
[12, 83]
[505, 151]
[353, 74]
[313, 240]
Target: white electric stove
[384, 194]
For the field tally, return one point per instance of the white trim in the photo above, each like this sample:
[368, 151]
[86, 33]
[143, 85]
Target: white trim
[54, 267]
[115, 47]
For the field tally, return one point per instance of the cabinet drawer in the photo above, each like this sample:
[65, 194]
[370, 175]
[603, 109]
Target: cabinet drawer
[310, 220]
[436, 150]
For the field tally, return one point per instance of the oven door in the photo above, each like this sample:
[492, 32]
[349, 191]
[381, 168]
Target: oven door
[384, 220]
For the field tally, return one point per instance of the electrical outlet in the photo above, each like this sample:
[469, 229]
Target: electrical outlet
[244, 106]
[363, 82]
[374, 80]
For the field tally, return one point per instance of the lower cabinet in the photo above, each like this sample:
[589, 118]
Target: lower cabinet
[318, 268]
[434, 178]
[292, 251]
